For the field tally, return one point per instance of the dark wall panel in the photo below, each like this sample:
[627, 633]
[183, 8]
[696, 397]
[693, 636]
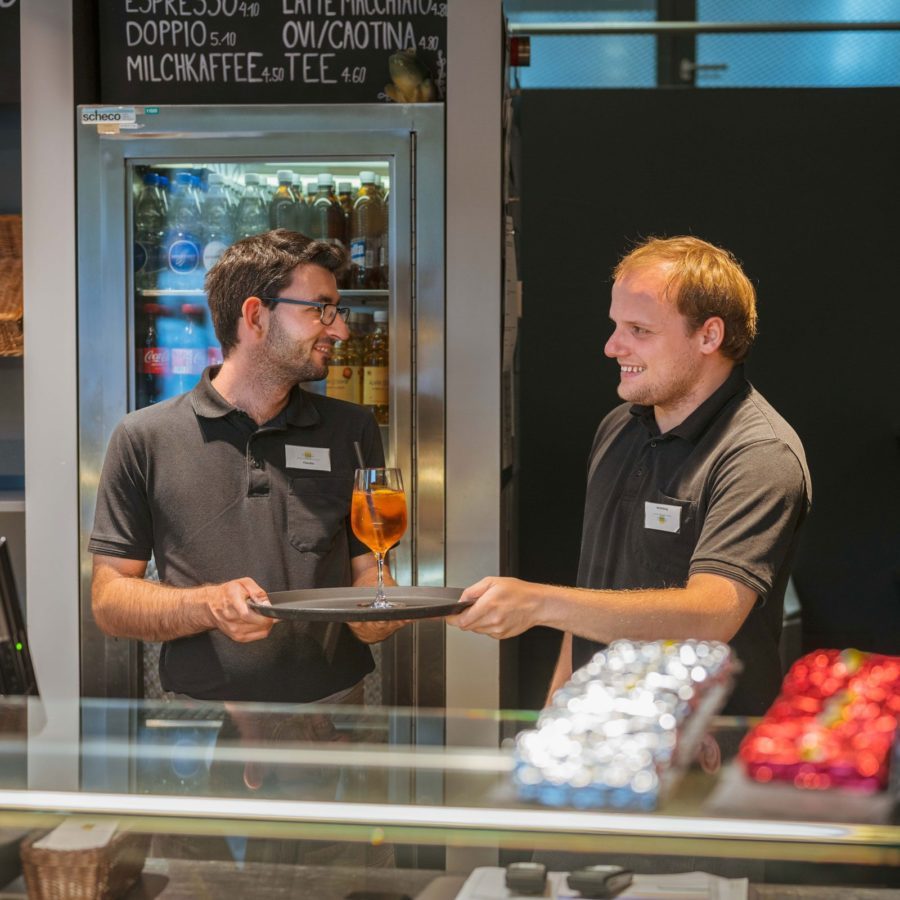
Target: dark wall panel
[802, 187]
[10, 159]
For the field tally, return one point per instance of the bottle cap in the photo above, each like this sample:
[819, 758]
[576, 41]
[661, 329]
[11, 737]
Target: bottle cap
[326, 180]
[150, 178]
[345, 187]
[312, 186]
[381, 315]
[250, 178]
[367, 177]
[285, 176]
[183, 178]
[296, 179]
[214, 178]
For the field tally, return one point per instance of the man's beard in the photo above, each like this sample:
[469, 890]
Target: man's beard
[678, 386]
[286, 361]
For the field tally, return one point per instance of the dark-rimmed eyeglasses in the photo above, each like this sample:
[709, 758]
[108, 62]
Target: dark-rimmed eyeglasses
[327, 311]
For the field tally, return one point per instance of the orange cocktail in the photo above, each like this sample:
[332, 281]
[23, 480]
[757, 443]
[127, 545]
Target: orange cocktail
[378, 518]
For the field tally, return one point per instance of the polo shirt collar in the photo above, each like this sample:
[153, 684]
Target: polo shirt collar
[699, 420]
[210, 404]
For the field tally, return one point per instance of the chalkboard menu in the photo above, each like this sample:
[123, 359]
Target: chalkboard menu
[272, 51]
[9, 51]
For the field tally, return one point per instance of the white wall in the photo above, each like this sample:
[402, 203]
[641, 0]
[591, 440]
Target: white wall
[51, 459]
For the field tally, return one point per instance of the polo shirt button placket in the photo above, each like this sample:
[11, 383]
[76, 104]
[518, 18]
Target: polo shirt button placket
[259, 481]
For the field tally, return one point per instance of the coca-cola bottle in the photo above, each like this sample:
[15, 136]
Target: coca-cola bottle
[152, 360]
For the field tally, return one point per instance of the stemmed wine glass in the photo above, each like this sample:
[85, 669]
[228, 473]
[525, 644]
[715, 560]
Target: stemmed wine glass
[378, 518]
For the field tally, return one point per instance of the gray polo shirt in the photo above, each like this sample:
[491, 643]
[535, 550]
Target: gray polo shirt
[733, 478]
[213, 496]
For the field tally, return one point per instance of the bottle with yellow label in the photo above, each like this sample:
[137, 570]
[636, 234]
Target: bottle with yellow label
[343, 381]
[376, 394]
[360, 325]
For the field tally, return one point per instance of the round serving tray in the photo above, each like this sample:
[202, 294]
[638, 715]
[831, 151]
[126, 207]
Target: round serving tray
[350, 604]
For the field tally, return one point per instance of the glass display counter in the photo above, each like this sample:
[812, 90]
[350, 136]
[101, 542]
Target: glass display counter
[229, 786]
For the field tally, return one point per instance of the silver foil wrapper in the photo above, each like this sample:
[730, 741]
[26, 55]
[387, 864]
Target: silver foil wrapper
[613, 732]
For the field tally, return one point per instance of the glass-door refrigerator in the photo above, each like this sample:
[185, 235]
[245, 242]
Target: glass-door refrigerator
[159, 200]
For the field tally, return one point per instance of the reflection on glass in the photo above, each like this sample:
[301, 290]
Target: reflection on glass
[186, 215]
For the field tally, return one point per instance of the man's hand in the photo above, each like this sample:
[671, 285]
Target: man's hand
[229, 613]
[373, 632]
[127, 605]
[503, 608]
[365, 574]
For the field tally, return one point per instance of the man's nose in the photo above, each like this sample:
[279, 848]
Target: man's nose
[613, 345]
[339, 329]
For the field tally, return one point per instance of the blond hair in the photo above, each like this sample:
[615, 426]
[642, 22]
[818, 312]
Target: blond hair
[706, 281]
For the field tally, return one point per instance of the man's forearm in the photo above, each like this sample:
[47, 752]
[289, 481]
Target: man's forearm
[149, 611]
[563, 671]
[709, 608]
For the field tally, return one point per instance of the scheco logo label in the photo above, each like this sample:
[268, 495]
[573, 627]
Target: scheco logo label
[117, 115]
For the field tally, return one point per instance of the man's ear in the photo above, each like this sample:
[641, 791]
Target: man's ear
[252, 316]
[712, 333]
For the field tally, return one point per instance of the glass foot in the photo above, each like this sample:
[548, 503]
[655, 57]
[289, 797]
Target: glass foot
[381, 604]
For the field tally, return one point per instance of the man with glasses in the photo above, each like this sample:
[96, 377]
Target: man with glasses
[240, 487]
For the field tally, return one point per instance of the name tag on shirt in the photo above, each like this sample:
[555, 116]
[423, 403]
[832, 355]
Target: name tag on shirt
[662, 517]
[307, 458]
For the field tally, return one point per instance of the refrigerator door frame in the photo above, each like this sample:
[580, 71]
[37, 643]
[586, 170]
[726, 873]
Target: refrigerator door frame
[411, 139]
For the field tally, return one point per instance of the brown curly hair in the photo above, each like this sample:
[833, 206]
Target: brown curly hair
[260, 266]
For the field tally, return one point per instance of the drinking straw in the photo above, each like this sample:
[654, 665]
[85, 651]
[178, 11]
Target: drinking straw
[376, 523]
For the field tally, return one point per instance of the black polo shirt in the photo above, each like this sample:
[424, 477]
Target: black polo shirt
[213, 496]
[733, 476]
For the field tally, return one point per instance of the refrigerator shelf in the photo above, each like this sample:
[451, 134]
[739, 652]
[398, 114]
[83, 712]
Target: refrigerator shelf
[173, 292]
[349, 293]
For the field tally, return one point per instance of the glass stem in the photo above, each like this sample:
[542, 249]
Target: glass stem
[379, 594]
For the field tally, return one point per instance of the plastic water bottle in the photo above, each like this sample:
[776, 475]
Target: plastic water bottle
[189, 349]
[253, 213]
[163, 191]
[149, 230]
[184, 238]
[217, 220]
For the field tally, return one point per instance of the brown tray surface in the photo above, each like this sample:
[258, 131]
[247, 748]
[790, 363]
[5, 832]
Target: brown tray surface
[349, 604]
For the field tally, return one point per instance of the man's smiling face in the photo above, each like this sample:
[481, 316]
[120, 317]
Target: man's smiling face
[659, 359]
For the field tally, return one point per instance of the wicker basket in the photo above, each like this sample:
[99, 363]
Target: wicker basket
[10, 285]
[97, 874]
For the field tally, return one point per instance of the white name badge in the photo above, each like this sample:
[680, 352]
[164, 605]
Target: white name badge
[662, 517]
[307, 458]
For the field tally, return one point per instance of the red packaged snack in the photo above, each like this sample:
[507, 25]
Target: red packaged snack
[832, 725]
